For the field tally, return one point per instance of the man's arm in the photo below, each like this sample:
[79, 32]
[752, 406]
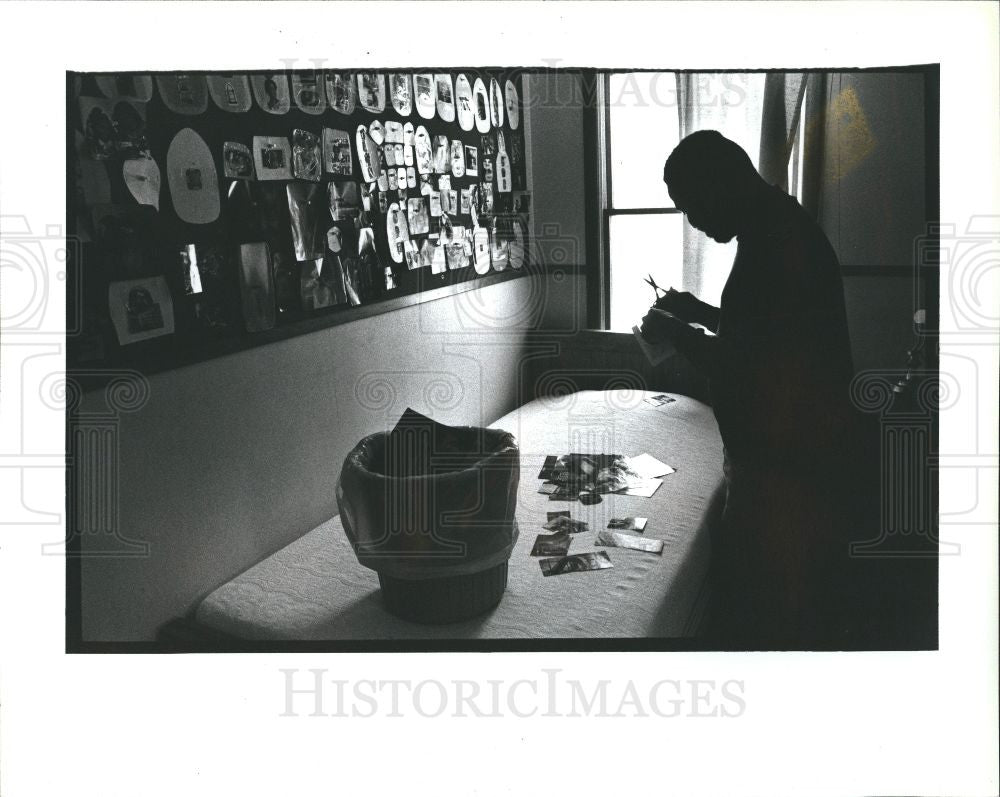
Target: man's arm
[705, 352]
[689, 307]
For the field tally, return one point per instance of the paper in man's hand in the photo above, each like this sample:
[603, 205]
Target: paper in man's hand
[656, 353]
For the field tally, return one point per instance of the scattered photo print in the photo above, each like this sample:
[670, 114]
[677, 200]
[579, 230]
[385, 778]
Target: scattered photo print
[615, 539]
[548, 467]
[628, 523]
[576, 563]
[237, 161]
[566, 524]
[550, 516]
[551, 545]
[465, 201]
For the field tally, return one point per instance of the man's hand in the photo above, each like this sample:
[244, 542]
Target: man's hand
[659, 325]
[681, 304]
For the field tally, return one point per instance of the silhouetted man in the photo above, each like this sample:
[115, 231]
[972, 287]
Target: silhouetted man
[779, 366]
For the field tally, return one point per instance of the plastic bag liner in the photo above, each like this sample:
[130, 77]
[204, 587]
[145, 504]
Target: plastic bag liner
[430, 508]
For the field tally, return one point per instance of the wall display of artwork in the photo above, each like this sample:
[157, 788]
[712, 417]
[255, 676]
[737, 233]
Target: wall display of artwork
[215, 210]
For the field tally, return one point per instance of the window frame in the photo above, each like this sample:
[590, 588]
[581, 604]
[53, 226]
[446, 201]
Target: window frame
[598, 130]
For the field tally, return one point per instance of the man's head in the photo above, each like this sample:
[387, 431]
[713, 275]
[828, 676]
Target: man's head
[709, 179]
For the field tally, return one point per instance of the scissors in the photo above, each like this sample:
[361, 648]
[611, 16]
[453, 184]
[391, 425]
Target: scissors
[657, 290]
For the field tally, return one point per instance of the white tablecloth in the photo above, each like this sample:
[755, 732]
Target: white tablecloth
[314, 588]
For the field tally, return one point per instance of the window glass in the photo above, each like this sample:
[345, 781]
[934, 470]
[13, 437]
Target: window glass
[642, 244]
[642, 118]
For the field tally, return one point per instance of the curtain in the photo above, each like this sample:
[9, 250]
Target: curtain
[817, 100]
[760, 113]
[783, 93]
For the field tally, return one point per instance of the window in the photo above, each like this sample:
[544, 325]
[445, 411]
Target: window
[644, 117]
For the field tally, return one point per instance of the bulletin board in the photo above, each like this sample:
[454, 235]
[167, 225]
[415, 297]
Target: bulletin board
[211, 212]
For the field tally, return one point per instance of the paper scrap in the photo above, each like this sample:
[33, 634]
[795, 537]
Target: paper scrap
[646, 466]
[643, 488]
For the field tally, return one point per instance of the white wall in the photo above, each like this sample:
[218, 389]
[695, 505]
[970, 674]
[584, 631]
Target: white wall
[559, 224]
[872, 203]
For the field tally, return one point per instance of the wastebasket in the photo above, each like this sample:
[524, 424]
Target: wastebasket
[430, 508]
